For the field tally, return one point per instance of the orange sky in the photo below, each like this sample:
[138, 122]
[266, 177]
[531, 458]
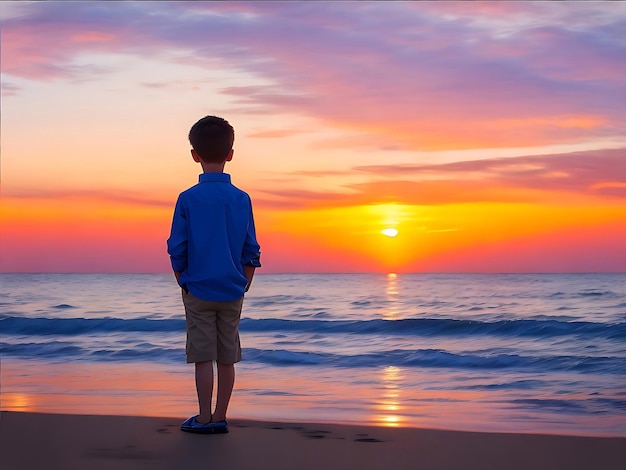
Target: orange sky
[490, 134]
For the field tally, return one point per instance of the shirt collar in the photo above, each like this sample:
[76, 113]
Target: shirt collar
[211, 177]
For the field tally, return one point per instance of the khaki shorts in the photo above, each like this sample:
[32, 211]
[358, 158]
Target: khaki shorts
[212, 330]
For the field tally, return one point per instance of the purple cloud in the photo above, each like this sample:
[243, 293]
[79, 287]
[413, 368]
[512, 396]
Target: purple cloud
[9, 89]
[600, 173]
[428, 75]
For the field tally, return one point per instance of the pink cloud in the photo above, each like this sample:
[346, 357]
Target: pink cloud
[100, 196]
[10, 89]
[597, 163]
[426, 75]
[600, 173]
[275, 133]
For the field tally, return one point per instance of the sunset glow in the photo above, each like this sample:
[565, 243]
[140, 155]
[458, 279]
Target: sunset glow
[390, 232]
[371, 136]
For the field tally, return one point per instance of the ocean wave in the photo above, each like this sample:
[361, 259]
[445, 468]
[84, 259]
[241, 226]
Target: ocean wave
[584, 407]
[442, 327]
[597, 293]
[51, 350]
[79, 326]
[413, 327]
[69, 351]
[419, 358]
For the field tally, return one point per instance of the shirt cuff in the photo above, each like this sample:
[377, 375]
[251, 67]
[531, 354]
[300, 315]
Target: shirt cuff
[254, 262]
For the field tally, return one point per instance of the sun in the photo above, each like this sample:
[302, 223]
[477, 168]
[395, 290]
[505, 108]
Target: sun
[390, 232]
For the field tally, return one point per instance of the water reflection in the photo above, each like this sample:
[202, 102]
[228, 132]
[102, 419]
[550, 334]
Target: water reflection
[388, 411]
[17, 402]
[391, 291]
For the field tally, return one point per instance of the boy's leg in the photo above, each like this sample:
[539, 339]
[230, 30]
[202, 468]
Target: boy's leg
[201, 348]
[228, 353]
[204, 387]
[225, 384]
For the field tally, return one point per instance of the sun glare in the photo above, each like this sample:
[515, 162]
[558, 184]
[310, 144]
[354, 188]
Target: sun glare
[390, 232]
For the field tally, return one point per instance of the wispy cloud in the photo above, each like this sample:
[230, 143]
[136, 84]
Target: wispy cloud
[536, 179]
[101, 196]
[600, 171]
[430, 75]
[9, 89]
[275, 133]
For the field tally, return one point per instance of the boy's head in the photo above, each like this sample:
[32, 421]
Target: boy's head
[212, 139]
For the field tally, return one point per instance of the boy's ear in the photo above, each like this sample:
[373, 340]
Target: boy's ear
[230, 155]
[195, 156]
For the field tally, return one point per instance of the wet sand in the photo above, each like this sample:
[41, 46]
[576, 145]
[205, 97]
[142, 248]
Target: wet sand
[61, 441]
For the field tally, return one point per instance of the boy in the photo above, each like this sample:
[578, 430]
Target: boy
[214, 253]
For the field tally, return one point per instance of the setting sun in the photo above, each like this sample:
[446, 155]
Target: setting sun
[390, 232]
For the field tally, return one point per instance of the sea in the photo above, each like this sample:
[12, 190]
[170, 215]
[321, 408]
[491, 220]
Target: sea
[529, 353]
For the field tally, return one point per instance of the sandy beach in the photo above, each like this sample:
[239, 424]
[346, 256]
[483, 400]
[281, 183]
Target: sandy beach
[34, 440]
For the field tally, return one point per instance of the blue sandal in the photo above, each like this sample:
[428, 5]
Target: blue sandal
[191, 425]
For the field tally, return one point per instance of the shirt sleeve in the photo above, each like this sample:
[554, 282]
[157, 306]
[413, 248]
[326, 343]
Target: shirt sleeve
[177, 242]
[251, 255]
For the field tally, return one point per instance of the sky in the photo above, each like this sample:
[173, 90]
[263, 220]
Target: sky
[489, 135]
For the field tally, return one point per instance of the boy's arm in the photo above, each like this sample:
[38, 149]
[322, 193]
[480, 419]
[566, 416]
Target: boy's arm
[248, 271]
[251, 252]
[177, 242]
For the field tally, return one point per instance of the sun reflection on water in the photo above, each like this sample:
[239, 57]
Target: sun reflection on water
[388, 411]
[391, 291]
[17, 402]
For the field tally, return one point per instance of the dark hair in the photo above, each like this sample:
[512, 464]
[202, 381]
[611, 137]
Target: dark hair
[212, 138]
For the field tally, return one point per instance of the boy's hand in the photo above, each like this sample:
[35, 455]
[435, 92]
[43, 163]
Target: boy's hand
[249, 273]
[177, 275]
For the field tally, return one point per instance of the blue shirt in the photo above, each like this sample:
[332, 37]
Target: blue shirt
[213, 238]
